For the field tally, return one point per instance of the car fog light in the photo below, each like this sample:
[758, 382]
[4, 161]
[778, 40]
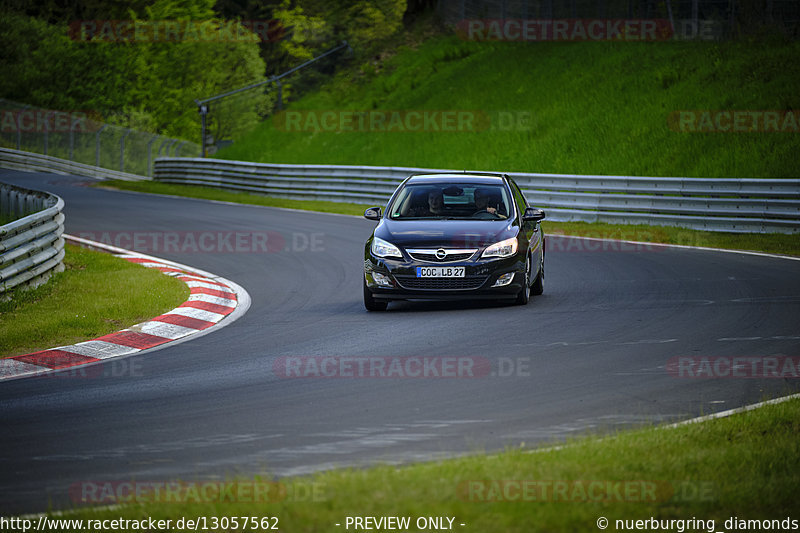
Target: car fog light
[382, 279]
[504, 280]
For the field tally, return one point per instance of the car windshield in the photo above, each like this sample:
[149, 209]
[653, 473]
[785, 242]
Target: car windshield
[451, 201]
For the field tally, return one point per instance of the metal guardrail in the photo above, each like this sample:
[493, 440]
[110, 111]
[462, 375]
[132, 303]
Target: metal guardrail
[29, 161]
[717, 204]
[31, 247]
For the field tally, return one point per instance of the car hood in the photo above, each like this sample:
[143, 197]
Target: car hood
[445, 233]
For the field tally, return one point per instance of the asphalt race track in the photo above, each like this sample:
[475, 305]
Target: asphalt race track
[589, 354]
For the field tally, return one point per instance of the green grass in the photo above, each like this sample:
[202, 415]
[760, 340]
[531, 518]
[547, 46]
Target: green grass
[776, 243]
[97, 294]
[594, 108]
[745, 465]
[210, 193]
[772, 243]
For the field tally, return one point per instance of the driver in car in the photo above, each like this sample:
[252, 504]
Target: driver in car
[436, 202]
[482, 202]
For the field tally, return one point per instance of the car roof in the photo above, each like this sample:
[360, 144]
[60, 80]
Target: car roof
[478, 179]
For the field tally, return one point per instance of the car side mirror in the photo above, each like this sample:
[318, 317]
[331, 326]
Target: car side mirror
[532, 214]
[373, 213]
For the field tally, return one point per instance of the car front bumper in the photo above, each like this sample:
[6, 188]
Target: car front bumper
[478, 282]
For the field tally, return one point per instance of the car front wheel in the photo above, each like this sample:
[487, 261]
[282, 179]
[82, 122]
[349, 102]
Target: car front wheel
[538, 283]
[371, 303]
[525, 294]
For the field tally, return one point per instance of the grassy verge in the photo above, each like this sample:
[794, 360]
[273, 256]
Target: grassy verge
[96, 294]
[776, 243]
[210, 193]
[744, 466]
[608, 108]
[772, 243]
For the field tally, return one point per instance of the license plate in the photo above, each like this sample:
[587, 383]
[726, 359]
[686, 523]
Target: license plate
[440, 272]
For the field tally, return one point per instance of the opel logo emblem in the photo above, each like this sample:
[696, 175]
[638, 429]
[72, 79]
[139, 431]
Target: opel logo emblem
[440, 254]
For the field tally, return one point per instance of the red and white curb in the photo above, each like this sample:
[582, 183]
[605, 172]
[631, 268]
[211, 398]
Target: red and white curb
[214, 302]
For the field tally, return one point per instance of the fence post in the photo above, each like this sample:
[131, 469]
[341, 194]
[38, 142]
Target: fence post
[72, 139]
[177, 148]
[19, 127]
[671, 20]
[122, 150]
[203, 110]
[150, 154]
[161, 147]
[170, 142]
[46, 131]
[280, 93]
[97, 145]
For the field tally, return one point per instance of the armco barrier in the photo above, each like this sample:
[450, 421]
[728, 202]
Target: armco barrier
[31, 246]
[718, 204]
[32, 162]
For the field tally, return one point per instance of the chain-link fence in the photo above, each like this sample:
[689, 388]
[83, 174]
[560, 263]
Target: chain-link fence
[228, 116]
[82, 137]
[725, 18]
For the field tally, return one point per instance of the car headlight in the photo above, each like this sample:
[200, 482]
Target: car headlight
[505, 248]
[382, 248]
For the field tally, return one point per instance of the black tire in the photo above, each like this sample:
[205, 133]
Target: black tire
[525, 294]
[371, 303]
[538, 284]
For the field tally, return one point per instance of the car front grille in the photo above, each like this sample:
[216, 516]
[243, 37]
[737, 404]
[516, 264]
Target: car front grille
[446, 284]
[450, 257]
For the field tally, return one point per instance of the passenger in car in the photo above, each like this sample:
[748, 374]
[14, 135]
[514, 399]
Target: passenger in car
[482, 202]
